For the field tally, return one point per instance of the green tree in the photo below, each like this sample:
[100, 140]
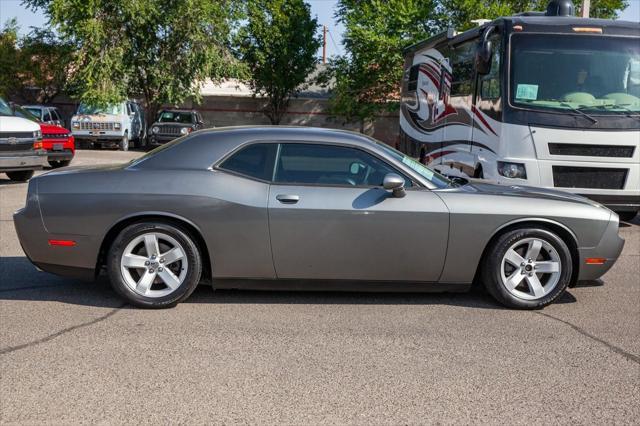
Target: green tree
[44, 66]
[278, 45]
[366, 79]
[9, 58]
[157, 49]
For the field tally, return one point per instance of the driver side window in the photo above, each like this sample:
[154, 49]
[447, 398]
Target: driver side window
[330, 165]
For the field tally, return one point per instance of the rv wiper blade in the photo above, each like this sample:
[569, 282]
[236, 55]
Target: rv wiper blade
[584, 114]
[630, 113]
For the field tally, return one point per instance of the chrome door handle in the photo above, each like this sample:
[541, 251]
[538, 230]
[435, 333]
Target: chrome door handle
[287, 199]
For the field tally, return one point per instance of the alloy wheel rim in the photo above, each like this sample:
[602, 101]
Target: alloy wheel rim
[530, 269]
[154, 264]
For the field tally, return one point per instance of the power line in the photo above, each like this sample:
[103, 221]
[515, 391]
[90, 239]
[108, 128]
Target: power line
[335, 45]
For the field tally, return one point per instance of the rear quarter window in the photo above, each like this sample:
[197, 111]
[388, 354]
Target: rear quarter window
[255, 161]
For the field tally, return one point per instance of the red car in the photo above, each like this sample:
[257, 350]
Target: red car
[58, 141]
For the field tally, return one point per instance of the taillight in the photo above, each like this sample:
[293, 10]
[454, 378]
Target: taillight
[37, 145]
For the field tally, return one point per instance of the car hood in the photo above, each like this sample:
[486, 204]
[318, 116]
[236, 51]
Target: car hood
[526, 191]
[52, 128]
[17, 124]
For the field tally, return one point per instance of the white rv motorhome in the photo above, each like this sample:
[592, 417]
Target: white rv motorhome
[539, 99]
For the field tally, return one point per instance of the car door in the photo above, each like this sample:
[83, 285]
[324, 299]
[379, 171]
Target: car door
[238, 228]
[329, 218]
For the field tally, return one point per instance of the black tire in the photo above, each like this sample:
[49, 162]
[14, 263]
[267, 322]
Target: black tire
[627, 216]
[59, 163]
[192, 256]
[123, 145]
[492, 263]
[20, 176]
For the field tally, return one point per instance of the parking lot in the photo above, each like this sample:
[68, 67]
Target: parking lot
[73, 352]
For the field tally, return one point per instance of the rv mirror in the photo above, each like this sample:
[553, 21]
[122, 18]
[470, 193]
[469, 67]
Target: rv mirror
[484, 52]
[483, 57]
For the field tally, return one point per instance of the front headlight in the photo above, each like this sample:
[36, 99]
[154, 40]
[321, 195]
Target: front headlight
[75, 124]
[512, 170]
[117, 126]
[155, 129]
[184, 130]
[37, 134]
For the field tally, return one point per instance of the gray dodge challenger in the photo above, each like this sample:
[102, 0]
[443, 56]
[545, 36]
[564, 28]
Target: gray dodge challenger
[304, 208]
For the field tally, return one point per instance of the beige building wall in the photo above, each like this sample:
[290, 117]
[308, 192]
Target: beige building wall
[224, 110]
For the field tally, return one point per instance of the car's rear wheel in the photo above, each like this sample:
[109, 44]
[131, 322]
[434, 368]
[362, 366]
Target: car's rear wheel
[20, 176]
[154, 265]
[527, 268]
[59, 163]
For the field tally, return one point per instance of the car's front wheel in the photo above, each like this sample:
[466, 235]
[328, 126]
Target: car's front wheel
[527, 268]
[20, 176]
[154, 265]
[123, 145]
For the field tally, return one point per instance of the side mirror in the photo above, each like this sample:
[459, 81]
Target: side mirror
[484, 51]
[394, 183]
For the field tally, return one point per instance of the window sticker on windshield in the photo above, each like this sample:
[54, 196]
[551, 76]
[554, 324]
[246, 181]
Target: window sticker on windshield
[418, 167]
[527, 92]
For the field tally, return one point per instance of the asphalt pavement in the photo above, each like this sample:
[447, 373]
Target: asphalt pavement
[72, 352]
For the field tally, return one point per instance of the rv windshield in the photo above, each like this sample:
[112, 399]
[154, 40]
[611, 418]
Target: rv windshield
[591, 74]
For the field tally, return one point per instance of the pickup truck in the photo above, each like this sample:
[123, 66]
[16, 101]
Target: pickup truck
[56, 140]
[21, 150]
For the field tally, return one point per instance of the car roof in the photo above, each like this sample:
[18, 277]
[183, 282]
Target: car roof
[177, 110]
[188, 153]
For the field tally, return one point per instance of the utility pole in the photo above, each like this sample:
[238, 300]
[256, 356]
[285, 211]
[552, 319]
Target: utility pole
[324, 44]
[586, 5]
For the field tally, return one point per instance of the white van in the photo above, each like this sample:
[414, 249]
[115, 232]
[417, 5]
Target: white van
[114, 125]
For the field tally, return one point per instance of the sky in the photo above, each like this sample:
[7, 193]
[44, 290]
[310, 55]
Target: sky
[324, 10]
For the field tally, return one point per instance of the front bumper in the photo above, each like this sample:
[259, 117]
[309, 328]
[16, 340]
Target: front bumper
[617, 203]
[161, 139]
[11, 162]
[98, 136]
[609, 248]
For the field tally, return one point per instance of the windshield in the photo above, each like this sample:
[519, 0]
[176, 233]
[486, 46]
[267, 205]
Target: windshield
[4, 108]
[34, 111]
[117, 109]
[18, 111]
[432, 176]
[175, 117]
[596, 74]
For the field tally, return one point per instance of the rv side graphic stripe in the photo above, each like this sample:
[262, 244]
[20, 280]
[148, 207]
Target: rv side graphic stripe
[482, 119]
[444, 144]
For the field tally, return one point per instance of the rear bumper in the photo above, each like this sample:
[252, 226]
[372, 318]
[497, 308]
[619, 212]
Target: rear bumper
[72, 262]
[26, 161]
[66, 154]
